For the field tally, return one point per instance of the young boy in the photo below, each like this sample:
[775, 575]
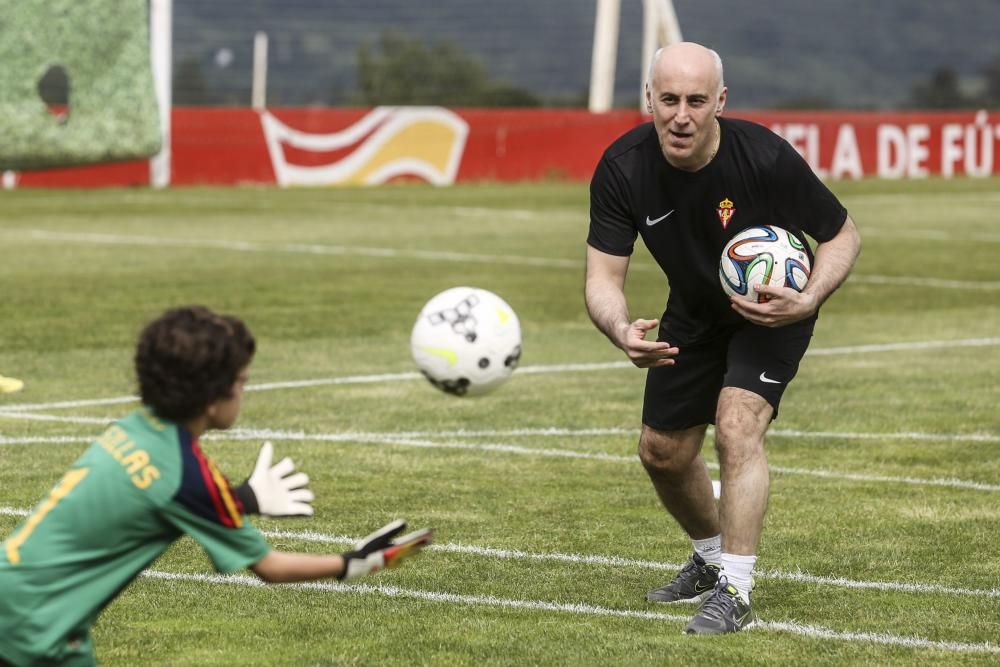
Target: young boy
[144, 483]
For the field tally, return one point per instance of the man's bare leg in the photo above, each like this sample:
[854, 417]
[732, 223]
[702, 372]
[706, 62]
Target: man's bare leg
[674, 464]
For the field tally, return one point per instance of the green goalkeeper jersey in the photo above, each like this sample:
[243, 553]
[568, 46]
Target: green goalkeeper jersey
[140, 486]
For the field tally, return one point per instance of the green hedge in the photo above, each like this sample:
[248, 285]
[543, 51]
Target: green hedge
[103, 48]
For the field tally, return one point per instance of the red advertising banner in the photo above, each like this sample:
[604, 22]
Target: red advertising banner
[323, 147]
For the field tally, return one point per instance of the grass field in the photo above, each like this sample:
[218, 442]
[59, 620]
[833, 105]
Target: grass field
[882, 543]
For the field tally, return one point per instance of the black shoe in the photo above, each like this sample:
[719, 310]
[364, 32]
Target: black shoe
[722, 613]
[693, 583]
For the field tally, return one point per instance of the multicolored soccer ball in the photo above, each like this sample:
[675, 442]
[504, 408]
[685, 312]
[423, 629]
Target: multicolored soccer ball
[763, 255]
[466, 341]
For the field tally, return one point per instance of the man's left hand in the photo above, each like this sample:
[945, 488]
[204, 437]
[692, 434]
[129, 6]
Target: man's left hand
[782, 306]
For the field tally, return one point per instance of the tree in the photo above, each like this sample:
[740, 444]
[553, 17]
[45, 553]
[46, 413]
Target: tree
[941, 92]
[805, 102]
[405, 71]
[189, 84]
[991, 93]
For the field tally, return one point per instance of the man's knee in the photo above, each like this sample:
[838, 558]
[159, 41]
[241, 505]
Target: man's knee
[740, 423]
[669, 451]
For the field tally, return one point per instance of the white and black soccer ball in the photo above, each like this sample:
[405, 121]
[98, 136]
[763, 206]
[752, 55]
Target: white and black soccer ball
[763, 255]
[466, 341]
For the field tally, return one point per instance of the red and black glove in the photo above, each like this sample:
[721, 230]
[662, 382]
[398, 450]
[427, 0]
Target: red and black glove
[379, 550]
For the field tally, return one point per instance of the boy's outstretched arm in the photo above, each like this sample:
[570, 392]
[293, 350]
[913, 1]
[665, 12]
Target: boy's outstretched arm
[376, 552]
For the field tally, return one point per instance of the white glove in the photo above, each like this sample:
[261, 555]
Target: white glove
[378, 550]
[277, 491]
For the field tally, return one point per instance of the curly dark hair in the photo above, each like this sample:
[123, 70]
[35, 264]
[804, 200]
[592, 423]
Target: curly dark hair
[188, 358]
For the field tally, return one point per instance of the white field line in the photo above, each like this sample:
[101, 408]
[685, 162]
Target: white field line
[469, 211]
[951, 482]
[894, 198]
[504, 448]
[618, 562]
[578, 608]
[365, 251]
[910, 345]
[299, 248]
[550, 431]
[554, 431]
[82, 403]
[35, 416]
[44, 440]
[524, 370]
[600, 432]
[815, 632]
[910, 281]
[898, 435]
[920, 197]
[485, 212]
[930, 235]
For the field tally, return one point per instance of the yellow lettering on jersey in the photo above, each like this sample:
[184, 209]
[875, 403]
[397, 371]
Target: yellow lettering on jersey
[115, 441]
[112, 438]
[148, 476]
[137, 459]
[120, 450]
[66, 484]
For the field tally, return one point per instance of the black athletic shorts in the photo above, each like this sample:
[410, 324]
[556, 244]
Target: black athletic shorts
[759, 359]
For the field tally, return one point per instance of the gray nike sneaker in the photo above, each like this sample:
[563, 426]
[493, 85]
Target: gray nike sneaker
[693, 583]
[722, 613]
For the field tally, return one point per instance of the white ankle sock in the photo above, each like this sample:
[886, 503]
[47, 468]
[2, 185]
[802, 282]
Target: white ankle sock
[710, 549]
[739, 571]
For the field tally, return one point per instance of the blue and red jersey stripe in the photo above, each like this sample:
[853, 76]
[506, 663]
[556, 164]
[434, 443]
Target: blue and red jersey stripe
[204, 489]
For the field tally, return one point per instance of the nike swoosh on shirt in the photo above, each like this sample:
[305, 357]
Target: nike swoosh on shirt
[662, 217]
[764, 378]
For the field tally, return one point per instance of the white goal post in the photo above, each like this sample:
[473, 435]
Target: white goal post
[161, 54]
[659, 28]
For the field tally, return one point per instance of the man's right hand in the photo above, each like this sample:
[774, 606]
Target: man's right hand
[646, 353]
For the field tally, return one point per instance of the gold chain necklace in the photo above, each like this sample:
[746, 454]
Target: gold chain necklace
[718, 141]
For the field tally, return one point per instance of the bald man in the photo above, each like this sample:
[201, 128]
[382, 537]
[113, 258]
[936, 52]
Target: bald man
[687, 183]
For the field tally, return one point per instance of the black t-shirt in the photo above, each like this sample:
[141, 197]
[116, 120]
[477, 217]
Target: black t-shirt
[686, 218]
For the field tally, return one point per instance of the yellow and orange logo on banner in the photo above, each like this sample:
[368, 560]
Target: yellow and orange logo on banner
[426, 142]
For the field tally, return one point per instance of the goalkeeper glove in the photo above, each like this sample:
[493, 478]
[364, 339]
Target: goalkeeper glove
[379, 550]
[275, 490]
